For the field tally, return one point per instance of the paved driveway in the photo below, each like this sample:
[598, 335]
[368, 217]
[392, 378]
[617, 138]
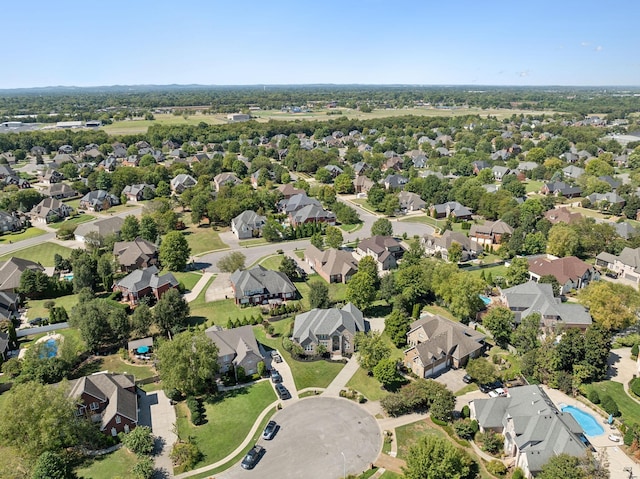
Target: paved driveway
[314, 434]
[452, 379]
[156, 411]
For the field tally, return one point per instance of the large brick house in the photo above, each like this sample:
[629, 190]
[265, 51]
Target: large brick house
[333, 265]
[145, 282]
[491, 233]
[260, 285]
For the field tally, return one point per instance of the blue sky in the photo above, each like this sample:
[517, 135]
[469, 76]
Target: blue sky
[255, 42]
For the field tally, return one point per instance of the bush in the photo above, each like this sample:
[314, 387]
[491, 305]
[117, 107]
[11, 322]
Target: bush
[497, 468]
[635, 386]
[439, 422]
[491, 442]
[634, 350]
[185, 454]
[517, 474]
[629, 436]
[465, 428]
[465, 413]
[609, 405]
[593, 396]
[174, 394]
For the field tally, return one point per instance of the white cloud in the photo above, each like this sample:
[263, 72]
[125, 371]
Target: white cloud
[599, 48]
[585, 44]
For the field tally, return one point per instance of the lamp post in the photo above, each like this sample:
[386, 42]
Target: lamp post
[344, 465]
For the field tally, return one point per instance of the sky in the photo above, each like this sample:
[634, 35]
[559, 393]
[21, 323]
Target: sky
[259, 42]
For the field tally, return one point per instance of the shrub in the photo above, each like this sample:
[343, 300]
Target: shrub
[634, 350]
[629, 437]
[185, 454]
[174, 394]
[635, 386]
[517, 474]
[439, 422]
[466, 428]
[497, 468]
[139, 440]
[593, 396]
[609, 405]
[491, 442]
[465, 413]
[196, 418]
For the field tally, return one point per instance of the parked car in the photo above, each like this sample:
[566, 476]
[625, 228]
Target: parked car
[252, 457]
[614, 437]
[270, 430]
[500, 391]
[467, 379]
[493, 394]
[36, 321]
[276, 357]
[275, 376]
[485, 388]
[283, 392]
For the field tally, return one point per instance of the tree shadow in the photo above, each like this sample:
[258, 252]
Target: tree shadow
[196, 320]
[90, 366]
[379, 310]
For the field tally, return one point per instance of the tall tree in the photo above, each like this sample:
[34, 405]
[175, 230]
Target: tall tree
[174, 251]
[105, 270]
[318, 294]
[130, 228]
[171, 312]
[333, 237]
[51, 465]
[231, 262]
[289, 267]
[433, 457]
[141, 320]
[499, 321]
[188, 363]
[525, 336]
[382, 227]
[84, 271]
[361, 290]
[148, 228]
[613, 306]
[371, 349]
[396, 326]
[518, 272]
[562, 240]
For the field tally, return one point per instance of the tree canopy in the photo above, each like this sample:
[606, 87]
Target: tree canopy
[174, 251]
[433, 457]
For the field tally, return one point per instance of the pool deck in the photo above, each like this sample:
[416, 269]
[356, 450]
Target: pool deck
[616, 458]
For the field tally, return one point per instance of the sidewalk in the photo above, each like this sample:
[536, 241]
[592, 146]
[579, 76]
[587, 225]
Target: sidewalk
[342, 378]
[197, 289]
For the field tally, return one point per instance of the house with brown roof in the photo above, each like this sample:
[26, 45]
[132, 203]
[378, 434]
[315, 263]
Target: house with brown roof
[137, 254]
[410, 201]
[237, 348]
[333, 265]
[437, 344]
[491, 233]
[225, 179]
[288, 190]
[107, 398]
[145, 282]
[50, 210]
[312, 214]
[562, 215]
[59, 191]
[385, 250]
[571, 272]
[362, 184]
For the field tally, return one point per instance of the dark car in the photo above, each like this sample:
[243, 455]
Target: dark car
[36, 321]
[275, 376]
[252, 457]
[485, 388]
[270, 430]
[467, 379]
[283, 392]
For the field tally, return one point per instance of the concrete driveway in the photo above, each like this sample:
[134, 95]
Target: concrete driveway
[452, 379]
[156, 411]
[319, 438]
[220, 288]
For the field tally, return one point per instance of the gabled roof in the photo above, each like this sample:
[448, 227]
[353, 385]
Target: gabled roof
[103, 227]
[307, 326]
[248, 217]
[314, 212]
[260, 279]
[491, 228]
[296, 202]
[128, 252]
[379, 244]
[290, 190]
[562, 215]
[237, 341]
[333, 261]
[453, 207]
[140, 279]
[12, 269]
[564, 269]
[407, 198]
[183, 179]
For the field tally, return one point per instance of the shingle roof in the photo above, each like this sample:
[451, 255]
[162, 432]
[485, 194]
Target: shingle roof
[103, 227]
[261, 279]
[144, 278]
[240, 342]
[565, 269]
[334, 261]
[12, 269]
[307, 326]
[128, 252]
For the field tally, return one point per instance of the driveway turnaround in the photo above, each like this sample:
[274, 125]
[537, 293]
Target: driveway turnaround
[319, 438]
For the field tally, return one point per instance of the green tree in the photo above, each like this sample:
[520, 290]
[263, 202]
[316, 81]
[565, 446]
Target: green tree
[518, 272]
[361, 290]
[171, 312]
[481, 370]
[188, 363]
[272, 231]
[317, 240]
[143, 469]
[562, 240]
[141, 320]
[130, 228]
[84, 271]
[562, 466]
[499, 321]
[333, 237]
[232, 262]
[553, 281]
[139, 440]
[33, 283]
[324, 176]
[148, 228]
[455, 252]
[433, 457]
[613, 306]
[382, 227]
[525, 336]
[343, 184]
[386, 372]
[371, 349]
[174, 251]
[318, 294]
[442, 405]
[396, 325]
[388, 287]
[95, 319]
[51, 465]
[597, 344]
[289, 267]
[105, 270]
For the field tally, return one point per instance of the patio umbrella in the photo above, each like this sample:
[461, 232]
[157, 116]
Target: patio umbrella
[610, 420]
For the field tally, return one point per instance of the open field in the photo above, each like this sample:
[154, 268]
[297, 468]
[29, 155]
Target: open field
[130, 127]
[116, 464]
[42, 253]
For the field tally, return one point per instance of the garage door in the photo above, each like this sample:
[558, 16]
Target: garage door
[437, 369]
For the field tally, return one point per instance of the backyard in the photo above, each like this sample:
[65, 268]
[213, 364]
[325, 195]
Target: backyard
[116, 464]
[42, 253]
[229, 419]
[628, 407]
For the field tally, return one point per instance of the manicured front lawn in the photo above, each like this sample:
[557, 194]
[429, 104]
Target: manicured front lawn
[219, 312]
[202, 239]
[272, 262]
[23, 235]
[229, 420]
[367, 385]
[409, 434]
[116, 464]
[42, 253]
[253, 242]
[76, 220]
[188, 279]
[351, 228]
[628, 407]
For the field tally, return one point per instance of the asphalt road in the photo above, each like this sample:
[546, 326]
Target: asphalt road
[319, 438]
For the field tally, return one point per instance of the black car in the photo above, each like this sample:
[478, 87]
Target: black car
[270, 430]
[36, 321]
[275, 376]
[283, 392]
[485, 388]
[252, 457]
[467, 379]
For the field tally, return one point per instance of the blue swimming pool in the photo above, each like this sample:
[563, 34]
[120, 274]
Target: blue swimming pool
[587, 422]
[485, 300]
[50, 349]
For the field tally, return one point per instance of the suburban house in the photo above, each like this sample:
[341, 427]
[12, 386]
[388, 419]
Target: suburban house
[534, 430]
[311, 214]
[145, 282]
[101, 228]
[386, 250]
[411, 201]
[50, 210]
[500, 172]
[98, 200]
[134, 193]
[10, 222]
[571, 272]
[560, 188]
[181, 182]
[395, 182]
[225, 179]
[333, 265]
[572, 171]
[237, 348]
[334, 170]
[451, 208]
[362, 184]
[52, 176]
[394, 163]
[107, 398]
[9, 305]
[562, 215]
[11, 272]
[137, 254]
[626, 264]
[334, 328]
[478, 166]
[440, 244]
[59, 191]
[625, 229]
[360, 168]
[259, 285]
[248, 224]
[437, 344]
[531, 297]
[609, 199]
[296, 202]
[491, 233]
[287, 191]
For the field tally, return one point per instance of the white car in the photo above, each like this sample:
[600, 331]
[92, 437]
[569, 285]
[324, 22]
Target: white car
[493, 394]
[614, 437]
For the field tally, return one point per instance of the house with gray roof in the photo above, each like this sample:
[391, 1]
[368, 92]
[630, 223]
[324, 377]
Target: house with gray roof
[10, 222]
[181, 182]
[107, 398]
[296, 202]
[145, 282]
[500, 172]
[312, 214]
[434, 244]
[333, 328]
[625, 229]
[626, 264]
[135, 193]
[98, 200]
[572, 171]
[59, 191]
[597, 199]
[560, 188]
[11, 272]
[534, 429]
[450, 208]
[225, 179]
[50, 210]
[237, 348]
[101, 228]
[531, 297]
[410, 201]
[395, 182]
[259, 285]
[136, 254]
[248, 224]
[527, 165]
[436, 344]
[385, 250]
[334, 170]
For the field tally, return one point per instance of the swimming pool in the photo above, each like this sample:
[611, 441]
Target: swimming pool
[587, 422]
[68, 277]
[50, 349]
[486, 300]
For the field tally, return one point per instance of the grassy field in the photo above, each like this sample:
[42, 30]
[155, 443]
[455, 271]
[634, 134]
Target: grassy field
[628, 407]
[37, 309]
[271, 262]
[202, 239]
[428, 220]
[408, 435]
[130, 127]
[533, 186]
[337, 291]
[42, 253]
[75, 203]
[364, 203]
[189, 278]
[116, 464]
[219, 312]
[75, 221]
[228, 420]
[351, 228]
[23, 235]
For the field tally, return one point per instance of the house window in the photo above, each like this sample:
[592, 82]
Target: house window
[308, 347]
[118, 420]
[94, 406]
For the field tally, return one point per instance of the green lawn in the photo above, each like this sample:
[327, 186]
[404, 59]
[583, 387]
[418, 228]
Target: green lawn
[434, 309]
[253, 242]
[337, 291]
[189, 279]
[628, 407]
[37, 309]
[23, 235]
[114, 364]
[76, 220]
[351, 228]
[116, 464]
[390, 475]
[367, 385]
[364, 203]
[75, 203]
[71, 333]
[202, 239]
[533, 186]
[300, 254]
[228, 420]
[272, 262]
[409, 434]
[495, 271]
[42, 253]
[130, 127]
[438, 223]
[219, 312]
